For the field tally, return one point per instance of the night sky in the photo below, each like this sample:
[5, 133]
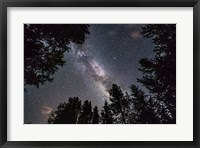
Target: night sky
[110, 54]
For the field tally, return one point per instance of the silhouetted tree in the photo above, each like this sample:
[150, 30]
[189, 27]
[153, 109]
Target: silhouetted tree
[118, 103]
[127, 107]
[58, 116]
[95, 116]
[44, 46]
[67, 113]
[142, 111]
[86, 113]
[74, 108]
[159, 73]
[106, 114]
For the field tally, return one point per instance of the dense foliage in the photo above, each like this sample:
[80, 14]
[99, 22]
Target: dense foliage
[44, 47]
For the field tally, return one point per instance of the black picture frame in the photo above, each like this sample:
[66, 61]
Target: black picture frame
[4, 4]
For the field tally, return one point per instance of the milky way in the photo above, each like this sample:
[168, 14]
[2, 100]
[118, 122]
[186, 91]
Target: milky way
[92, 69]
[110, 54]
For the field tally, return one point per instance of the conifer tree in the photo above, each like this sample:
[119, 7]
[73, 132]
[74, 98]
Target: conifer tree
[106, 114]
[159, 73]
[66, 113]
[143, 113]
[95, 117]
[86, 113]
[118, 103]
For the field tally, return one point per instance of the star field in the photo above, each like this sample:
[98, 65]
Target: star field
[110, 54]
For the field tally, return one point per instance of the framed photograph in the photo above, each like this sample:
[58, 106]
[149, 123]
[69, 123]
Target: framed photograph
[99, 74]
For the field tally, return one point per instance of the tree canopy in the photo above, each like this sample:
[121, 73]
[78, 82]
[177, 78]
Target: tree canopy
[44, 47]
[159, 73]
